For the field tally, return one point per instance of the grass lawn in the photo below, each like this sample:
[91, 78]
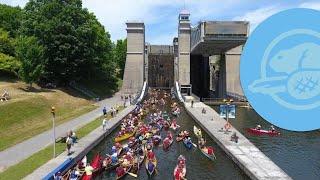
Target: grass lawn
[28, 165]
[28, 112]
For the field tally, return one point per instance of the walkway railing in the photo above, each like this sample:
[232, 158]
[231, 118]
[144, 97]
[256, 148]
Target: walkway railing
[141, 94]
[178, 93]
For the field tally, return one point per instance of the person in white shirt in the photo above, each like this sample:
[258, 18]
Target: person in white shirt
[104, 124]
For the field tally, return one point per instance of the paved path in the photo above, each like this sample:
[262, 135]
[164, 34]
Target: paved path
[248, 157]
[81, 148]
[23, 150]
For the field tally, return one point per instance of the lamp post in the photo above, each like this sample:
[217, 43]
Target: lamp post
[53, 130]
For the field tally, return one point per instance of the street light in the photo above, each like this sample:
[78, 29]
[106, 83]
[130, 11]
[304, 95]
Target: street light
[53, 112]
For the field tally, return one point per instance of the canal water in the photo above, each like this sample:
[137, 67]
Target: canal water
[199, 167]
[298, 154]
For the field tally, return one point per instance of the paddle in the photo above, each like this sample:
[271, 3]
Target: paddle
[194, 145]
[133, 175]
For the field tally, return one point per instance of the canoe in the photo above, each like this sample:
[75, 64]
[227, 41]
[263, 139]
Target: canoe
[197, 132]
[125, 136]
[182, 174]
[187, 144]
[126, 169]
[96, 165]
[261, 131]
[138, 161]
[204, 151]
[154, 162]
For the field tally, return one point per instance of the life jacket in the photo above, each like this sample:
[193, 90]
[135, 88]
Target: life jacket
[210, 150]
[150, 155]
[177, 174]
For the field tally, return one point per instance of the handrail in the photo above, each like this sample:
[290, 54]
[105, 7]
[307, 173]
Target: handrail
[143, 92]
[178, 92]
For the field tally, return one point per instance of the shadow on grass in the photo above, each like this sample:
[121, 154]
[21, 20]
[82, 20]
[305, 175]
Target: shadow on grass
[35, 90]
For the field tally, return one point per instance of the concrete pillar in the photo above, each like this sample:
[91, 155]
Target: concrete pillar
[222, 77]
[184, 32]
[134, 68]
[205, 73]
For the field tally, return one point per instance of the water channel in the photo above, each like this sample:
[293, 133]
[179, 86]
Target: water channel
[298, 154]
[198, 166]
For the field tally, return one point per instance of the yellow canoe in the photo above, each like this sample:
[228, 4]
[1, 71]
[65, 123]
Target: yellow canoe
[125, 136]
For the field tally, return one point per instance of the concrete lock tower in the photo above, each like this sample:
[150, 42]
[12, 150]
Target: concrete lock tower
[184, 30]
[134, 68]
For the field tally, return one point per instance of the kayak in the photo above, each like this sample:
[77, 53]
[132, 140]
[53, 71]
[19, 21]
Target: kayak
[187, 144]
[125, 136]
[261, 131]
[197, 131]
[96, 164]
[151, 168]
[205, 152]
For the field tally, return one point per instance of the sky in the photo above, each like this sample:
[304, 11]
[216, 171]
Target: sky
[161, 16]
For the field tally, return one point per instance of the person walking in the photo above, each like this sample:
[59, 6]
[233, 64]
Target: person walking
[104, 110]
[192, 104]
[69, 143]
[104, 124]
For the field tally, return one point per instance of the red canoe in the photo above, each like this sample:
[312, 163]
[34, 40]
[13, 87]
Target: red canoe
[261, 131]
[96, 164]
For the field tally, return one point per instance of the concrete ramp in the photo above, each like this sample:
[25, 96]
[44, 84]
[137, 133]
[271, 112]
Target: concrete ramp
[133, 77]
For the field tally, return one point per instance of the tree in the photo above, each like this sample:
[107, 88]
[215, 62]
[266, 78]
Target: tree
[120, 53]
[76, 45]
[9, 64]
[6, 43]
[30, 53]
[10, 19]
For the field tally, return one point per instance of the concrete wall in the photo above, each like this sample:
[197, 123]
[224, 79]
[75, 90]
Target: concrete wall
[233, 86]
[184, 32]
[134, 68]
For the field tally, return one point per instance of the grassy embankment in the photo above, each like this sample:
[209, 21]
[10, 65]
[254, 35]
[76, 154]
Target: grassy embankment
[28, 165]
[28, 112]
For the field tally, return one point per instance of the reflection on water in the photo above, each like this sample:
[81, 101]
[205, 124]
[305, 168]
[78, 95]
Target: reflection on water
[298, 154]
[198, 166]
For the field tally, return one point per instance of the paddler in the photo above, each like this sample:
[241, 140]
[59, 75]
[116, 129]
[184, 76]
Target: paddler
[201, 143]
[120, 171]
[258, 127]
[151, 155]
[114, 158]
[88, 169]
[272, 129]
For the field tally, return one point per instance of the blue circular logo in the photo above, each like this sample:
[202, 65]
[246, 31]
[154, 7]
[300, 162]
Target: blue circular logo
[280, 69]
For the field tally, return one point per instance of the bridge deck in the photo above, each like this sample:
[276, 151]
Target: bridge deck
[248, 157]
